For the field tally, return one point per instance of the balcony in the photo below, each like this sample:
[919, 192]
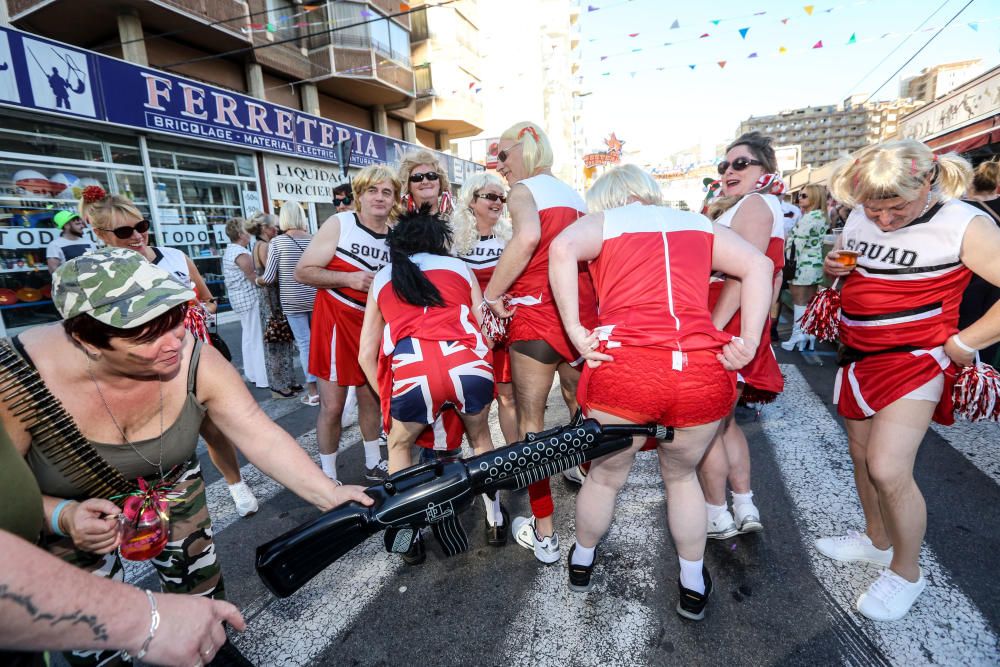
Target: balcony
[361, 75]
[457, 111]
[90, 24]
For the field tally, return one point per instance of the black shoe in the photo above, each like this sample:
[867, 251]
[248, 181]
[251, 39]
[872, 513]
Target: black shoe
[416, 554]
[579, 575]
[496, 536]
[692, 605]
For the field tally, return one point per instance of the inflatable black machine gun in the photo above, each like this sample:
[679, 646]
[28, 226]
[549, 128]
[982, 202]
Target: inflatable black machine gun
[433, 494]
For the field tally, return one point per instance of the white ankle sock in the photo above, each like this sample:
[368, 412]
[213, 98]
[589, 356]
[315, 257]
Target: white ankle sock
[691, 574]
[329, 464]
[715, 511]
[742, 498]
[493, 514]
[583, 555]
[372, 453]
[237, 485]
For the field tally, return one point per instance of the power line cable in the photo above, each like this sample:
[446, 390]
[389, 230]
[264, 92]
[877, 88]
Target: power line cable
[898, 46]
[966, 6]
[297, 38]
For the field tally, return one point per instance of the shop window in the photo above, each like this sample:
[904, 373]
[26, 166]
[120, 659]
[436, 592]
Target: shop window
[55, 141]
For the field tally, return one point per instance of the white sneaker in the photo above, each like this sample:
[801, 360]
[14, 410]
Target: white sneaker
[852, 547]
[890, 597]
[246, 502]
[546, 549]
[747, 518]
[576, 475]
[722, 527]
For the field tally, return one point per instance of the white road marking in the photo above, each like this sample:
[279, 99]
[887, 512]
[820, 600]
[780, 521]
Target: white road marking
[944, 626]
[977, 441]
[609, 624]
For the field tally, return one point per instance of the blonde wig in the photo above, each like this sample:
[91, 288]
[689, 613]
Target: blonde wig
[614, 188]
[292, 216]
[464, 230]
[369, 176]
[104, 213]
[536, 150]
[899, 169]
[413, 159]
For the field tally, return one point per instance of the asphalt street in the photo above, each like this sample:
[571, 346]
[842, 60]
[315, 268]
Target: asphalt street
[776, 602]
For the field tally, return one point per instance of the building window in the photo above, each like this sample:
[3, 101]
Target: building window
[424, 84]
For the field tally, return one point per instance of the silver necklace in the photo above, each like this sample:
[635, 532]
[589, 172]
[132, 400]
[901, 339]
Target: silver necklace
[927, 205]
[159, 462]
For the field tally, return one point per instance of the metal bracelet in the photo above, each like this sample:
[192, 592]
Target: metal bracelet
[154, 623]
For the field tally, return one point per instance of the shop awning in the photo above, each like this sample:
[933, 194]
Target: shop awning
[968, 138]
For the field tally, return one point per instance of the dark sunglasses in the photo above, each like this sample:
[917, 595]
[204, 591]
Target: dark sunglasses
[344, 201]
[739, 164]
[430, 176]
[126, 231]
[801, 196]
[492, 196]
[503, 155]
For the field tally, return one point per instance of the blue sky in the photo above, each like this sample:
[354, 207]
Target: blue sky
[648, 94]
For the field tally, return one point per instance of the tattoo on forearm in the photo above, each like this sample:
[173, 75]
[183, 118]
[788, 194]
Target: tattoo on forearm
[38, 616]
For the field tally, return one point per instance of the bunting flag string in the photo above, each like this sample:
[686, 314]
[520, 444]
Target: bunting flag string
[817, 45]
[783, 50]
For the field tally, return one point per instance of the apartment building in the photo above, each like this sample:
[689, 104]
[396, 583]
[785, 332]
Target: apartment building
[933, 82]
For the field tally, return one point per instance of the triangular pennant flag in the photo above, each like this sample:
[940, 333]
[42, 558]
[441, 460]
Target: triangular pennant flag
[667, 43]
[716, 21]
[853, 39]
[722, 64]
[633, 34]
[809, 9]
[784, 21]
[270, 27]
[605, 73]
[743, 32]
[782, 49]
[974, 26]
[477, 90]
[471, 84]
[818, 45]
[675, 25]
[759, 13]
[592, 8]
[604, 57]
[752, 55]
[403, 7]
[703, 35]
[637, 50]
[692, 66]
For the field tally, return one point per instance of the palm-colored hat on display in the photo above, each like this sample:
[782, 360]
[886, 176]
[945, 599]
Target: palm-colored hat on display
[117, 287]
[62, 217]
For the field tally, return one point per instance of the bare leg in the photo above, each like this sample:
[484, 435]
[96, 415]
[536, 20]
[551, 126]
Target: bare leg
[685, 501]
[507, 412]
[858, 431]
[532, 381]
[402, 435]
[714, 468]
[896, 433]
[477, 428]
[801, 294]
[222, 451]
[595, 504]
[331, 408]
[369, 413]
[738, 458]
[569, 378]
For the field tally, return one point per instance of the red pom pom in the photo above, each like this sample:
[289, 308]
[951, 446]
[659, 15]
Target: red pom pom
[93, 193]
[977, 393]
[822, 316]
[495, 327]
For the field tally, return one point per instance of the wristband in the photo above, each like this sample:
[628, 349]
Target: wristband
[55, 517]
[154, 623]
[487, 300]
[959, 343]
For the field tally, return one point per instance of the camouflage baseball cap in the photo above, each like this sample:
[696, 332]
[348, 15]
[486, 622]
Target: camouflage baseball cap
[116, 286]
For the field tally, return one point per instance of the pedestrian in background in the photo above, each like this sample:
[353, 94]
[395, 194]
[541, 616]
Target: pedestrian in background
[297, 300]
[277, 355]
[237, 270]
[806, 247]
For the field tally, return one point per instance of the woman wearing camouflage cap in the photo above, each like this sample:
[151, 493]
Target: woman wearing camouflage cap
[138, 386]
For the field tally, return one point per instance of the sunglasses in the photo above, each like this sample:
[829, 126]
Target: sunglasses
[126, 231]
[739, 164]
[503, 155]
[492, 196]
[343, 201]
[430, 176]
[801, 196]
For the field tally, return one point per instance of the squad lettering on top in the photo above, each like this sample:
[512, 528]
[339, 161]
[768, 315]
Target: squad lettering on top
[884, 253]
[380, 256]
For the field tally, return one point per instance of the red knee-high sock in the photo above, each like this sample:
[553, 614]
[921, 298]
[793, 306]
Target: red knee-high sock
[540, 496]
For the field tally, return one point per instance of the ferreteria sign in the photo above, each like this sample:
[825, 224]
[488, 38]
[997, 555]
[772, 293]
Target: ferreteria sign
[51, 77]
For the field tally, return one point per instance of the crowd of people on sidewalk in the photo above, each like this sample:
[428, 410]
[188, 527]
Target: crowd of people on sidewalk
[427, 308]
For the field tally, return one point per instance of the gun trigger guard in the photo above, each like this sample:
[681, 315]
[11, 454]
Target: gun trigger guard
[399, 540]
